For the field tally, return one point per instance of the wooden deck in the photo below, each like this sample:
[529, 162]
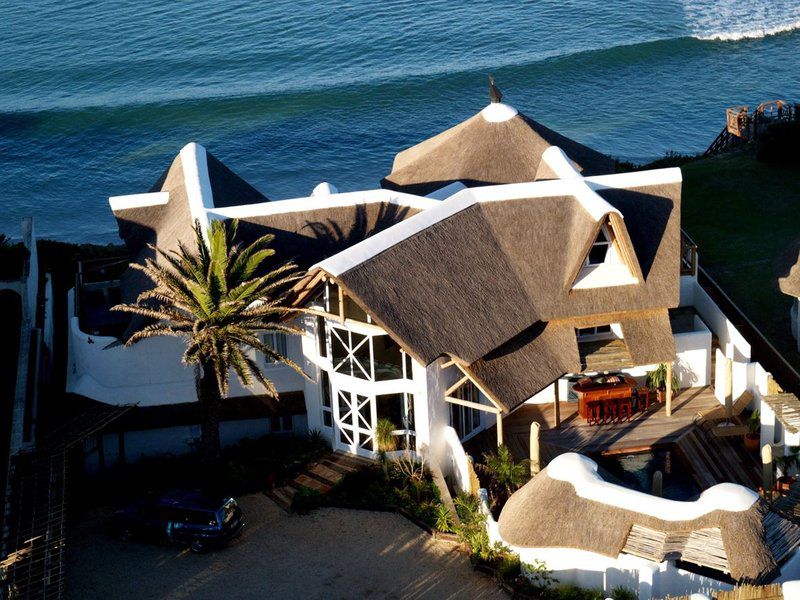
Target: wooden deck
[712, 460]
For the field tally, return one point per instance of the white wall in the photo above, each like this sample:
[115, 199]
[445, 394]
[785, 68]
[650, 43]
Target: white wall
[150, 373]
[693, 356]
[725, 331]
[454, 461]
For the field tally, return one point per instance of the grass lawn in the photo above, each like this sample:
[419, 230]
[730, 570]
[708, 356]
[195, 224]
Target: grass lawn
[744, 217]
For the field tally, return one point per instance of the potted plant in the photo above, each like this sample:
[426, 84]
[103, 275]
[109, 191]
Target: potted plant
[657, 381]
[752, 439]
[790, 459]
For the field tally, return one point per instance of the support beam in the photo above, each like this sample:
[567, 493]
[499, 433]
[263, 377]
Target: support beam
[448, 364]
[475, 405]
[535, 453]
[728, 388]
[456, 385]
[556, 405]
[341, 304]
[669, 389]
[767, 473]
[499, 429]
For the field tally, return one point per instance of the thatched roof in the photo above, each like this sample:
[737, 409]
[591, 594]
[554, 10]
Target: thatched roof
[199, 186]
[724, 530]
[487, 276]
[487, 151]
[790, 284]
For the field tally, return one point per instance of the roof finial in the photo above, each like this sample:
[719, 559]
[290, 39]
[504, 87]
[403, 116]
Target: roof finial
[495, 95]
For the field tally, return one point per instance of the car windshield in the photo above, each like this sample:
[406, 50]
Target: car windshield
[228, 511]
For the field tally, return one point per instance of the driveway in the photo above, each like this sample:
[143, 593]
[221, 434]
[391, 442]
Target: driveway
[331, 553]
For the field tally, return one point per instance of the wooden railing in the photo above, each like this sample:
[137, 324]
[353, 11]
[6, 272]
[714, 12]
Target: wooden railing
[743, 126]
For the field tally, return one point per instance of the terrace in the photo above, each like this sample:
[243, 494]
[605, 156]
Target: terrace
[710, 459]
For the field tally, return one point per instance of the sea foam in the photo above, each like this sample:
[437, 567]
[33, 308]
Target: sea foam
[731, 20]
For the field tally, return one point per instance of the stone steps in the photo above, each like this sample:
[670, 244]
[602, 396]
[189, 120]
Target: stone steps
[320, 476]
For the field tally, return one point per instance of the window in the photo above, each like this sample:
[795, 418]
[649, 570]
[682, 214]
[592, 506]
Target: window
[327, 409]
[463, 419]
[599, 332]
[399, 409]
[599, 250]
[332, 297]
[370, 357]
[277, 342]
[323, 347]
[280, 423]
[388, 358]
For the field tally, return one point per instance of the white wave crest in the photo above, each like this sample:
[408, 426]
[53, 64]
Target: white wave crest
[732, 20]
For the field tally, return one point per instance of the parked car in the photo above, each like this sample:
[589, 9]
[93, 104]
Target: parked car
[180, 517]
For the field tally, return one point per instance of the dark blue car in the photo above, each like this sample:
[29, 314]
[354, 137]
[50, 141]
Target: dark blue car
[181, 517]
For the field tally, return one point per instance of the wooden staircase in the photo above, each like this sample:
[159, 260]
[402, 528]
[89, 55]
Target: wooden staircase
[319, 476]
[718, 459]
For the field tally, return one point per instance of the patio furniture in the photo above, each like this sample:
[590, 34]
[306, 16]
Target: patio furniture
[645, 397]
[610, 410]
[594, 412]
[624, 409]
[608, 389]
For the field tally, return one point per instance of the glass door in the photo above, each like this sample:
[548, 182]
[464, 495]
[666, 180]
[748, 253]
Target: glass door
[355, 419]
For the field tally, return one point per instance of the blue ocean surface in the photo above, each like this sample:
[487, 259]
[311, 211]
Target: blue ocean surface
[96, 98]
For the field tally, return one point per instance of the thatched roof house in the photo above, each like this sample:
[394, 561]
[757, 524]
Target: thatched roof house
[515, 259]
[728, 528]
[497, 145]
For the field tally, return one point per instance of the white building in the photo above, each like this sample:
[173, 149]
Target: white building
[500, 263]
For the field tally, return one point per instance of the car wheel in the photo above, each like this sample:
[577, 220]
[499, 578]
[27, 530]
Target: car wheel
[197, 547]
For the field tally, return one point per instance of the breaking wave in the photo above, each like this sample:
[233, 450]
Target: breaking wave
[732, 20]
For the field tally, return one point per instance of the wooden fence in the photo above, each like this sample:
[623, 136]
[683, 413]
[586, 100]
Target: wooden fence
[744, 592]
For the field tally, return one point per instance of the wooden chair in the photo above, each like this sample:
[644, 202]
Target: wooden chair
[594, 413]
[610, 411]
[624, 409]
[645, 397]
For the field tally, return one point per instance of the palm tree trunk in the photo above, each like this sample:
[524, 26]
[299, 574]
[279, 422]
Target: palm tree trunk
[210, 401]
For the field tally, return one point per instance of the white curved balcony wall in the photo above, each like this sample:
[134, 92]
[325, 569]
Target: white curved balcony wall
[150, 373]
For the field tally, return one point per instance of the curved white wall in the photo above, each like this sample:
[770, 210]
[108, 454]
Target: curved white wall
[150, 373]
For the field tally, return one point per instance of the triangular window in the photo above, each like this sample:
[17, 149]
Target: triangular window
[599, 251]
[604, 265]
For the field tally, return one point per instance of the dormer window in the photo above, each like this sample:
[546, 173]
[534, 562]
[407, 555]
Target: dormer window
[599, 250]
[604, 265]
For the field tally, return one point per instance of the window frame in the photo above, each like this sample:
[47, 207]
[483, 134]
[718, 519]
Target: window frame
[270, 339]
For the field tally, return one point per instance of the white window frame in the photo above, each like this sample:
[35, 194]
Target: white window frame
[606, 242]
[275, 340]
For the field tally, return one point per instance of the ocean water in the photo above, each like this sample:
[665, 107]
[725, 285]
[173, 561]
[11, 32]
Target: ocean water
[97, 98]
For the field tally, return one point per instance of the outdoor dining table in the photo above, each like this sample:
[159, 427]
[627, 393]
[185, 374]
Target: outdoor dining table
[615, 387]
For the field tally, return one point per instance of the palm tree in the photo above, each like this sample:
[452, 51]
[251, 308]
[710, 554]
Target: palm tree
[213, 296]
[507, 476]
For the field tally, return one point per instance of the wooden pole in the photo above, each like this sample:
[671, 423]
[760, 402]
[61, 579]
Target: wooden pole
[766, 471]
[556, 405]
[669, 389]
[535, 464]
[499, 429]
[728, 388]
[658, 484]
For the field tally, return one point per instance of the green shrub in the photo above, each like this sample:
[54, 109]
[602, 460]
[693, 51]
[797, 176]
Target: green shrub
[622, 593]
[305, 500]
[443, 519]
